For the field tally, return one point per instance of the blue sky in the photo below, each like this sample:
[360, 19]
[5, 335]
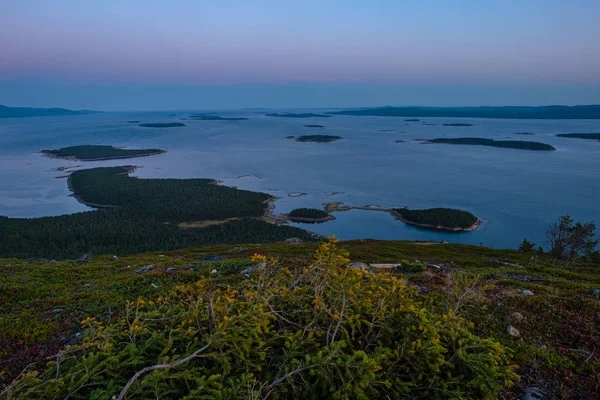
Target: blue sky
[145, 54]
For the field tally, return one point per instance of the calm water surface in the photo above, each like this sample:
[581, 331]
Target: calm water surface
[516, 193]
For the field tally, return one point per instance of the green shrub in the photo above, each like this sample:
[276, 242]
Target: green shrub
[286, 332]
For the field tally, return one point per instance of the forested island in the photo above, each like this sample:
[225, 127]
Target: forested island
[314, 126]
[505, 144]
[309, 215]
[137, 215]
[162, 125]
[21, 112]
[298, 115]
[98, 153]
[458, 124]
[524, 133]
[544, 112]
[216, 118]
[445, 219]
[439, 219]
[318, 138]
[589, 136]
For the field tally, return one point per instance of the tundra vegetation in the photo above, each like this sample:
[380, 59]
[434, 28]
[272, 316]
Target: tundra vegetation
[285, 324]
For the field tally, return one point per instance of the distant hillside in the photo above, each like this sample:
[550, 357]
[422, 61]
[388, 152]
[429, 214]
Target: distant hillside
[19, 112]
[546, 112]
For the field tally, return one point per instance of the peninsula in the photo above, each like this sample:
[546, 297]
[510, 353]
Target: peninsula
[438, 219]
[21, 112]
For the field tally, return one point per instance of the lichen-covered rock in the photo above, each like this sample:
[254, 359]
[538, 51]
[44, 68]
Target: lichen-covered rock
[515, 318]
[512, 331]
[526, 292]
[144, 269]
[211, 257]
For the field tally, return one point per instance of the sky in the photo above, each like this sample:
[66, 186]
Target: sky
[205, 54]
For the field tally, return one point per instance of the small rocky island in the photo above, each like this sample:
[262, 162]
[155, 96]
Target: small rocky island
[505, 144]
[162, 125]
[318, 138]
[314, 126]
[300, 115]
[412, 120]
[309, 215]
[458, 125]
[216, 118]
[98, 153]
[589, 136]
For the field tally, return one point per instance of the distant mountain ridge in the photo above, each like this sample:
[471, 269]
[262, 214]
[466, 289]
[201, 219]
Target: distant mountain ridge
[19, 112]
[512, 112]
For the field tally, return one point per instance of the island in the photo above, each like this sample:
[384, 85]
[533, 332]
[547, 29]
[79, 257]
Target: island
[318, 138]
[505, 144]
[400, 141]
[412, 120]
[588, 136]
[458, 124]
[309, 215]
[21, 112]
[524, 133]
[543, 112]
[134, 122]
[314, 126]
[439, 219]
[132, 215]
[98, 153]
[162, 125]
[300, 115]
[215, 118]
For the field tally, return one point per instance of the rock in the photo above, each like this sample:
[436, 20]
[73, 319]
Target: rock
[512, 331]
[434, 266]
[247, 272]
[361, 265]
[85, 257]
[115, 258]
[526, 292]
[515, 318]
[214, 271]
[293, 240]
[595, 292]
[170, 269]
[58, 310]
[154, 286]
[211, 257]
[144, 269]
[533, 393]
